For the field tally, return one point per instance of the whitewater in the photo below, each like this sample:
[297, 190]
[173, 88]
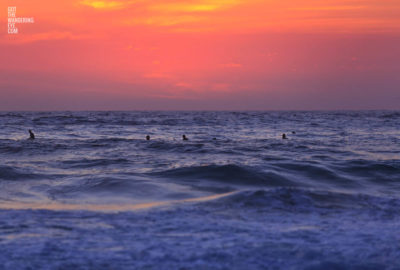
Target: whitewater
[90, 192]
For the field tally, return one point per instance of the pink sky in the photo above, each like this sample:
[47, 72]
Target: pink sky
[201, 55]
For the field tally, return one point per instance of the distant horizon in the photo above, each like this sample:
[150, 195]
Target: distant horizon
[326, 110]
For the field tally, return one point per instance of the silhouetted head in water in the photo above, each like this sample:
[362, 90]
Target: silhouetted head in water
[31, 135]
[284, 136]
[148, 137]
[293, 132]
[184, 138]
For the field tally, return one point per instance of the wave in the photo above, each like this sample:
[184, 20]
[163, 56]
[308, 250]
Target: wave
[80, 118]
[374, 171]
[89, 163]
[349, 175]
[10, 173]
[306, 200]
[391, 115]
[112, 185]
[177, 146]
[227, 174]
[105, 189]
[37, 147]
[46, 146]
[10, 147]
[345, 151]
[122, 119]
[317, 174]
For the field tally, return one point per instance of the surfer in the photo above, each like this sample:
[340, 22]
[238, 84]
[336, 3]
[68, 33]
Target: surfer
[284, 136]
[31, 135]
[148, 138]
[184, 138]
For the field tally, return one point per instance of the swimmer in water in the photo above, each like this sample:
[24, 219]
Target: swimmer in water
[184, 138]
[148, 138]
[31, 135]
[284, 136]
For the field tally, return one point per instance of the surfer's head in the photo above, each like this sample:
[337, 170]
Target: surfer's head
[148, 137]
[284, 136]
[184, 137]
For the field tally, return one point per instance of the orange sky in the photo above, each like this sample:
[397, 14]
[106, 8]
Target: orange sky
[201, 54]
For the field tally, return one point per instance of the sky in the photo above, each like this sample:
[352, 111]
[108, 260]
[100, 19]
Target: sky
[201, 55]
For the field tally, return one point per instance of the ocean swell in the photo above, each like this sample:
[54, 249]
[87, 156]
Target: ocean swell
[310, 200]
[226, 174]
[11, 173]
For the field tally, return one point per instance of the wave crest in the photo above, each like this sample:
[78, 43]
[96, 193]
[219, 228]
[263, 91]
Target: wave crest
[228, 174]
[304, 200]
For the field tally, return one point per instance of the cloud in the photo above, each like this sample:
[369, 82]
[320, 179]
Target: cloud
[104, 4]
[196, 6]
[177, 13]
[254, 15]
[184, 7]
[163, 20]
[331, 8]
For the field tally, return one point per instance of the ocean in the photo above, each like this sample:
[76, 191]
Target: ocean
[90, 192]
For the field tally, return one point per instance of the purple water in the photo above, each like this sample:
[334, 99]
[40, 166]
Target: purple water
[91, 193]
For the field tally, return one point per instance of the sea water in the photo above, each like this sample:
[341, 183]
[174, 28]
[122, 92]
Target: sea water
[90, 192]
